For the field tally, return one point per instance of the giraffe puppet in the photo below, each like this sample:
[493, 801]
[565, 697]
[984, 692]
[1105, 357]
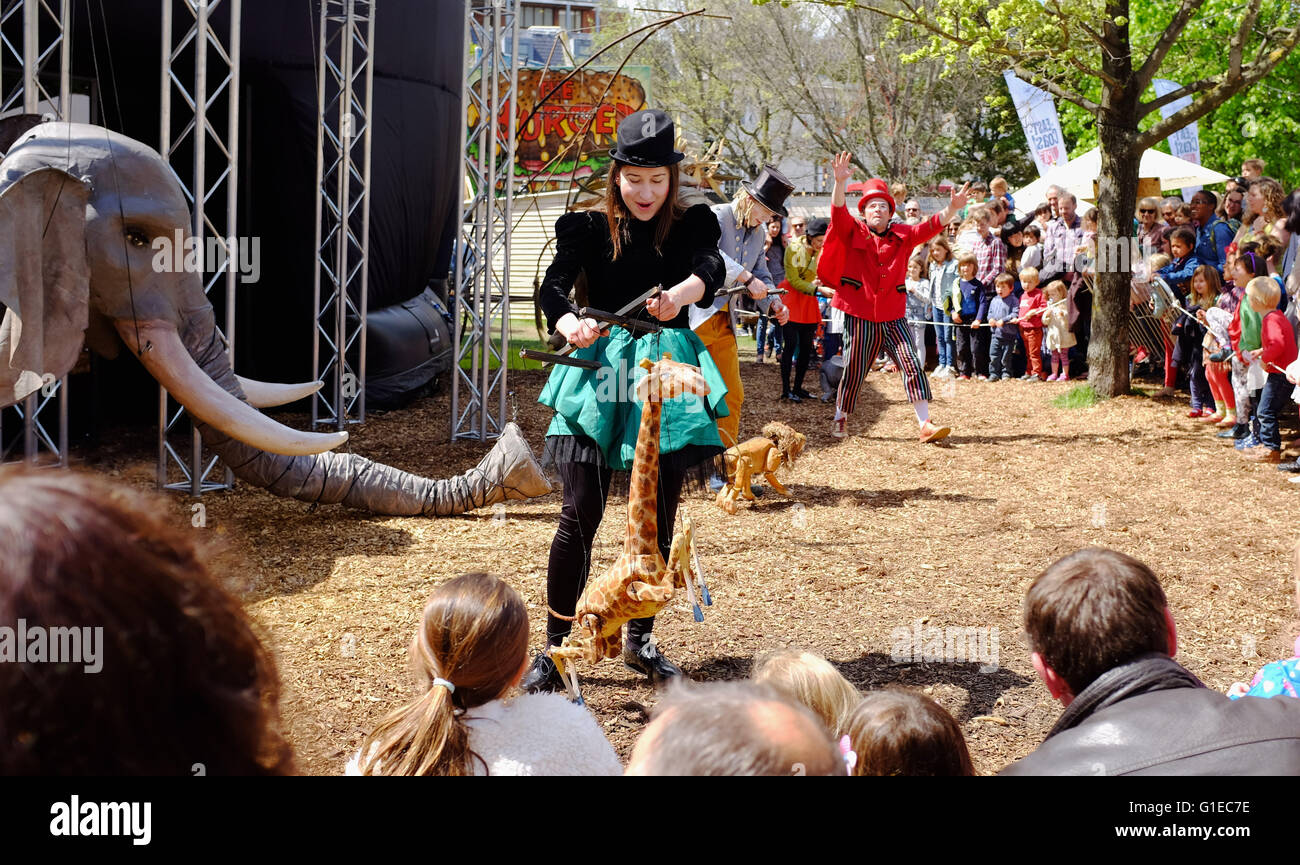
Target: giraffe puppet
[639, 583]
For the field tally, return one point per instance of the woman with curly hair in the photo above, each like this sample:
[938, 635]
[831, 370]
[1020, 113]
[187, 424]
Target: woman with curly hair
[1263, 208]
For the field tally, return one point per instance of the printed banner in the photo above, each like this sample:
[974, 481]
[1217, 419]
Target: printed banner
[570, 134]
[1038, 117]
[1186, 142]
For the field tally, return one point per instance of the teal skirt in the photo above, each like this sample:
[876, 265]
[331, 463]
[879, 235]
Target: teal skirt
[597, 414]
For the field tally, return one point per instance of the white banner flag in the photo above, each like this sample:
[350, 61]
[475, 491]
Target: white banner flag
[1186, 142]
[1037, 111]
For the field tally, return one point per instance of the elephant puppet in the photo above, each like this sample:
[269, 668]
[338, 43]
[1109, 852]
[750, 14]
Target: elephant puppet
[80, 207]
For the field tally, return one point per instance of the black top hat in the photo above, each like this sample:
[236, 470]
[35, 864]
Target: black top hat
[645, 139]
[817, 227]
[770, 189]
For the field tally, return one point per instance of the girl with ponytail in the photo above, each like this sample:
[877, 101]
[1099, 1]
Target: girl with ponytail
[468, 655]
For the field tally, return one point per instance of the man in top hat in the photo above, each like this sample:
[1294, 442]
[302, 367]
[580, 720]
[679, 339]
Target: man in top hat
[743, 236]
[866, 264]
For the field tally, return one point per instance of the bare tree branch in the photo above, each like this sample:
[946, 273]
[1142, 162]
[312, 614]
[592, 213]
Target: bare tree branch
[1225, 88]
[1174, 95]
[1147, 71]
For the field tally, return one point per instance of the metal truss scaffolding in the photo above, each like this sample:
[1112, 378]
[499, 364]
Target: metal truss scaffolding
[204, 74]
[478, 389]
[345, 82]
[36, 36]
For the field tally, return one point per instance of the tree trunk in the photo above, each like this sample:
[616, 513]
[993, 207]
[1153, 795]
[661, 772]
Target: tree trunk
[1116, 198]
[1117, 193]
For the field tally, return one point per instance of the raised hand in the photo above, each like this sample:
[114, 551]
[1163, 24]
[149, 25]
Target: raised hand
[959, 197]
[842, 166]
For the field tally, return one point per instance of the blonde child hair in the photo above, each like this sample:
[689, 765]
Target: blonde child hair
[1155, 262]
[967, 258]
[1264, 291]
[1028, 273]
[1055, 289]
[810, 680]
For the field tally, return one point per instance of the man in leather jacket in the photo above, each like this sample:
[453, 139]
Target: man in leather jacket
[1103, 642]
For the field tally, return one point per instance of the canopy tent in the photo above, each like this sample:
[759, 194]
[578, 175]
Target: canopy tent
[1079, 174]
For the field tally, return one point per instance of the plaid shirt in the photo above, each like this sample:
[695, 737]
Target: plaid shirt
[990, 257]
[1060, 244]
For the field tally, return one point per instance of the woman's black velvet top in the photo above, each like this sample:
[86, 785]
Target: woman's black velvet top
[582, 243]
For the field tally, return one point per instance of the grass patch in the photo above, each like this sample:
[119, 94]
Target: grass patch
[1079, 396]
[513, 360]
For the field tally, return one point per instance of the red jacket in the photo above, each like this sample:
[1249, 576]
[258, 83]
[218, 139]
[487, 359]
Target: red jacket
[878, 261]
[1032, 306]
[1277, 339]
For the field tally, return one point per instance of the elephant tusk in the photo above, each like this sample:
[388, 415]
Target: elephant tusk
[261, 394]
[174, 368]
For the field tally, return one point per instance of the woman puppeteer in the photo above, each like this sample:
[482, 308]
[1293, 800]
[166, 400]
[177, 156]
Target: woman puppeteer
[640, 236]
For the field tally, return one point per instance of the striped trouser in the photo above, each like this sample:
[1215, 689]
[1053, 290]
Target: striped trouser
[863, 341]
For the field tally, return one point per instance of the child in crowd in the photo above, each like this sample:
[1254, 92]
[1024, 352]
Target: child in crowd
[1056, 331]
[1277, 350]
[809, 679]
[897, 732]
[1164, 305]
[470, 650]
[918, 303]
[969, 307]
[1248, 377]
[1190, 333]
[1178, 273]
[998, 189]
[1183, 214]
[979, 192]
[1030, 317]
[1032, 256]
[944, 289]
[1003, 310]
[991, 259]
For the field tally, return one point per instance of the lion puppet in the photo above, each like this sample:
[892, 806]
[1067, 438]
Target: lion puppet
[779, 445]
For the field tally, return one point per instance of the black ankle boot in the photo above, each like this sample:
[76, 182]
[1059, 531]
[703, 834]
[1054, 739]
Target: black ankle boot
[649, 661]
[543, 676]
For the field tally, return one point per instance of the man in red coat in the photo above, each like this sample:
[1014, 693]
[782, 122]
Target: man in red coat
[866, 263]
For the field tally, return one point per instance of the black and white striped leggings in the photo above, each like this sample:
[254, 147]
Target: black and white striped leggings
[864, 340]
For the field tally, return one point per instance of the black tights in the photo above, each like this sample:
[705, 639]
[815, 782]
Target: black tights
[585, 489]
[799, 335]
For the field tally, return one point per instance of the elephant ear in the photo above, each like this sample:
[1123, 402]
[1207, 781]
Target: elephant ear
[44, 278]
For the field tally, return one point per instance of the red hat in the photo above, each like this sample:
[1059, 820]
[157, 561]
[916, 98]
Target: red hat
[875, 188]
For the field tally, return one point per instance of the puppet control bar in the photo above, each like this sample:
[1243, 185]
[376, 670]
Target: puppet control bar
[610, 318]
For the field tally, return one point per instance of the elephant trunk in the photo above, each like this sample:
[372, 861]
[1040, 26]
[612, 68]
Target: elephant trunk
[508, 471]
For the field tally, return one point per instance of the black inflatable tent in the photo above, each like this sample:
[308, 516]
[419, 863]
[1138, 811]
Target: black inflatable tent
[418, 58]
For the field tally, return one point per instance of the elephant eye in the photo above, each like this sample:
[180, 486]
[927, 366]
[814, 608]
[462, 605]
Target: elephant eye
[136, 237]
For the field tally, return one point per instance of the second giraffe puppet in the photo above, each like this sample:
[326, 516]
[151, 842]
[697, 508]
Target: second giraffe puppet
[639, 583]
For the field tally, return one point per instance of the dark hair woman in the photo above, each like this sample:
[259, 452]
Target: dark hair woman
[638, 238]
[169, 671]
